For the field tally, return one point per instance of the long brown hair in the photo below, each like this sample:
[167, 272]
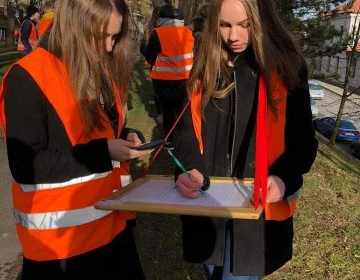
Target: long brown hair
[95, 75]
[276, 52]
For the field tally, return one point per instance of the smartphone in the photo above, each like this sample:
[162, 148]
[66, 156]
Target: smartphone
[150, 145]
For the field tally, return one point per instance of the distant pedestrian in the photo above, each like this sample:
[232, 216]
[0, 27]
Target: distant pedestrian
[143, 46]
[47, 18]
[170, 53]
[28, 32]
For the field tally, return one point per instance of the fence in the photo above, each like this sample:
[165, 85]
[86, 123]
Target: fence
[2, 33]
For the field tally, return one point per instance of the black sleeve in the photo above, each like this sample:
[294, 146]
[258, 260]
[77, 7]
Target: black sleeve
[300, 141]
[38, 147]
[153, 48]
[187, 147]
[126, 130]
[25, 34]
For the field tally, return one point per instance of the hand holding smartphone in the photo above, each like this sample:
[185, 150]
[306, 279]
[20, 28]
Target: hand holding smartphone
[150, 145]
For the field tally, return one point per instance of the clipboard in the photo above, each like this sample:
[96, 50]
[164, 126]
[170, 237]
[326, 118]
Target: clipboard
[226, 197]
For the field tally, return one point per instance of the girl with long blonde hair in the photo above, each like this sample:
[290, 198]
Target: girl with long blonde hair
[63, 111]
[249, 117]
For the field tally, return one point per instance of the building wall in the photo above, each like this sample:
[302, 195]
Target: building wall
[2, 7]
[335, 66]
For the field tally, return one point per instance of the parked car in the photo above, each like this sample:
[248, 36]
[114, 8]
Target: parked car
[316, 90]
[355, 148]
[347, 130]
[314, 107]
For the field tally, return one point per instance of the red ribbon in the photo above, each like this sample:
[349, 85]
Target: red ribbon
[261, 148]
[146, 171]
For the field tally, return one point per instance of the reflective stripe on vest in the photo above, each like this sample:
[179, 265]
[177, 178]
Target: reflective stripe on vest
[58, 220]
[281, 210]
[171, 69]
[125, 180]
[37, 187]
[33, 38]
[176, 57]
[61, 219]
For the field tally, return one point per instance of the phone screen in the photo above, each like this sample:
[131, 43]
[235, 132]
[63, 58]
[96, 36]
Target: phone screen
[150, 145]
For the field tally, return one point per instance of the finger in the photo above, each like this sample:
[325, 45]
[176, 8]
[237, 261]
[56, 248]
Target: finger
[273, 196]
[139, 153]
[196, 176]
[184, 178]
[133, 137]
[183, 189]
[186, 190]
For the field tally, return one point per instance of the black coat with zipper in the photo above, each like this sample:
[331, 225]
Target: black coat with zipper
[258, 247]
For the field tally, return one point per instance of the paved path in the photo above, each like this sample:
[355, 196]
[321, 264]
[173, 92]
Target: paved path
[9, 246]
[353, 98]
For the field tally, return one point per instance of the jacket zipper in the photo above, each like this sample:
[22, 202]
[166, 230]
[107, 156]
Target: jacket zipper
[235, 125]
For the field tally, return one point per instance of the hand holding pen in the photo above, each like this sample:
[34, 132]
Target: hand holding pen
[190, 183]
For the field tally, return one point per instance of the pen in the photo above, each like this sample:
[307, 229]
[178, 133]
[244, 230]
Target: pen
[182, 168]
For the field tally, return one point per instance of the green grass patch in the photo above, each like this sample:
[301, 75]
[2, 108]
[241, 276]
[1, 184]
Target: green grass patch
[5, 49]
[8, 55]
[327, 224]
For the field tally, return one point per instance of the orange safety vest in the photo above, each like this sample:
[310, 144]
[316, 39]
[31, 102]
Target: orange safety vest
[58, 220]
[176, 57]
[43, 25]
[281, 210]
[33, 38]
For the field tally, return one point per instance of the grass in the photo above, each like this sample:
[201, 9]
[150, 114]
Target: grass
[327, 223]
[8, 55]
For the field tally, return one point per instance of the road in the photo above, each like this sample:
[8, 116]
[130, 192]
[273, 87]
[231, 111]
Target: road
[329, 106]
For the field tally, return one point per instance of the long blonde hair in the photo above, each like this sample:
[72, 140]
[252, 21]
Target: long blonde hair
[95, 75]
[275, 52]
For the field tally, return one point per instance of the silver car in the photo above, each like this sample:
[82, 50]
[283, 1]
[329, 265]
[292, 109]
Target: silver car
[316, 90]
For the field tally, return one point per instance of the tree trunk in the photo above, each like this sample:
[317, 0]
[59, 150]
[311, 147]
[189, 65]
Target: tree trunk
[37, 3]
[10, 22]
[190, 8]
[351, 60]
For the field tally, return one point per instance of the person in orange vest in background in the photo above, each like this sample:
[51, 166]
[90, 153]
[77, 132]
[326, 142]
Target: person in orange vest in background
[47, 18]
[249, 117]
[143, 46]
[170, 54]
[67, 145]
[28, 32]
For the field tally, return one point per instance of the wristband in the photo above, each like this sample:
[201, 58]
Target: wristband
[206, 183]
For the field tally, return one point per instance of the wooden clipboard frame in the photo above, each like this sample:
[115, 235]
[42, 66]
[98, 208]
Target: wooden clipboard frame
[248, 212]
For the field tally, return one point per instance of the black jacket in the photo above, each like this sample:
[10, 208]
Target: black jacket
[259, 247]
